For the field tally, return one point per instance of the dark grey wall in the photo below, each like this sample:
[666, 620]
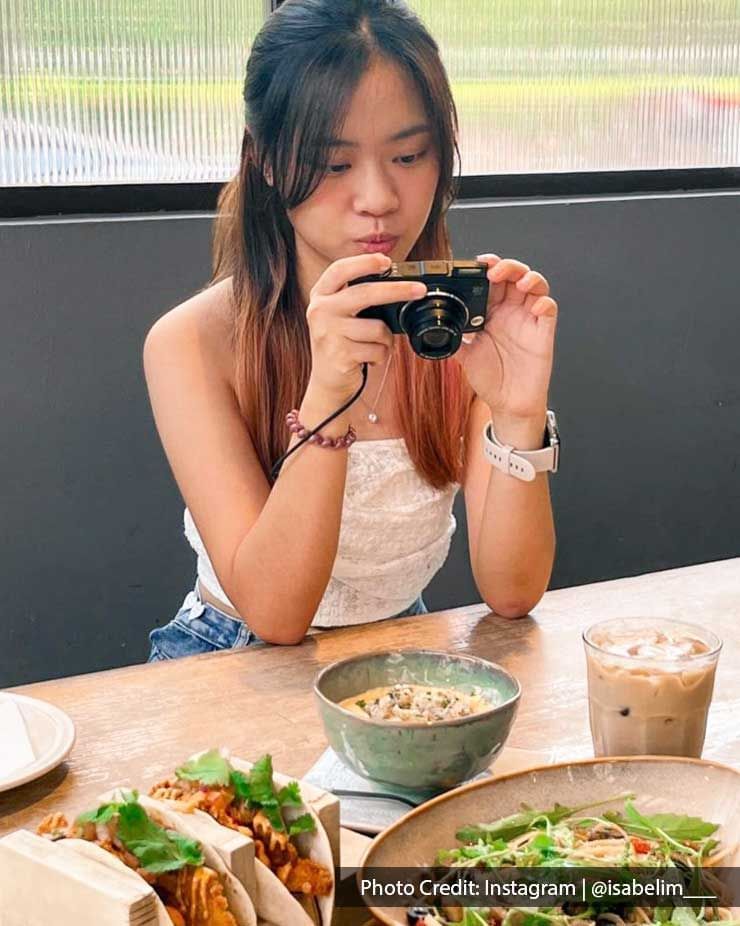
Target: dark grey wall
[646, 386]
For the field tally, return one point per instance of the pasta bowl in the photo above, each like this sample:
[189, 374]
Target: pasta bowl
[657, 784]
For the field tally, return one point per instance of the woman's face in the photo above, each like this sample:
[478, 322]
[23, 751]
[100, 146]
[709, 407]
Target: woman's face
[379, 185]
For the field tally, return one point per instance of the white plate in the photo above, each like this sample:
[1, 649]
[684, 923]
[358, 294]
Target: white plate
[52, 736]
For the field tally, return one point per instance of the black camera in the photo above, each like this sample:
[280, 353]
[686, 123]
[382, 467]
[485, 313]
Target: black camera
[455, 303]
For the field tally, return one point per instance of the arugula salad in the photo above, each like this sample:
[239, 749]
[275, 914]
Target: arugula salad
[580, 836]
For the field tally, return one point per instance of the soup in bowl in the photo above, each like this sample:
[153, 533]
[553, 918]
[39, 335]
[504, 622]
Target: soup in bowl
[417, 718]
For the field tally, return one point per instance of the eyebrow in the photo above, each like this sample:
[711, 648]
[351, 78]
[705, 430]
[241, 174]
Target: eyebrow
[419, 129]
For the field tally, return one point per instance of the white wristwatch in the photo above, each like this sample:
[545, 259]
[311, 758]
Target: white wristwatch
[524, 464]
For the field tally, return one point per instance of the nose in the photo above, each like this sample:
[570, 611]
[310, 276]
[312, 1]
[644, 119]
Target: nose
[376, 192]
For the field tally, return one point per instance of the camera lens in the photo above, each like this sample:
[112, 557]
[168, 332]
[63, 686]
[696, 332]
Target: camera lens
[436, 338]
[434, 324]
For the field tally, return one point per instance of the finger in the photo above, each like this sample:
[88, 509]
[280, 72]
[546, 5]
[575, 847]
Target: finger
[368, 352]
[508, 269]
[546, 307]
[354, 299]
[505, 272]
[341, 271]
[490, 259]
[534, 284]
[367, 329]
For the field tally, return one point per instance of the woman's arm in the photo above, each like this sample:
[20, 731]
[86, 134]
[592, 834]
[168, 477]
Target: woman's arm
[511, 534]
[508, 365]
[272, 551]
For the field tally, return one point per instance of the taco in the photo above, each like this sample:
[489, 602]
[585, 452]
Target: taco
[138, 855]
[294, 866]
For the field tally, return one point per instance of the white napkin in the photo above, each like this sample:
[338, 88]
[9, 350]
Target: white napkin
[16, 751]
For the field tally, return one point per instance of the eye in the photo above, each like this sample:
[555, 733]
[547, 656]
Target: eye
[409, 159]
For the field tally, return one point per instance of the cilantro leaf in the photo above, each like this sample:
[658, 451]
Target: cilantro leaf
[273, 814]
[303, 824]
[103, 814]
[262, 790]
[211, 768]
[240, 783]
[106, 812]
[257, 788]
[259, 791]
[156, 848]
[290, 795]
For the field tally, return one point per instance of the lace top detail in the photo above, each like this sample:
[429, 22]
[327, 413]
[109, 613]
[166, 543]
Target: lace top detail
[394, 536]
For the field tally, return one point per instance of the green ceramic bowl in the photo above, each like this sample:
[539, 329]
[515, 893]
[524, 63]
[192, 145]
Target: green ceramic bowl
[417, 755]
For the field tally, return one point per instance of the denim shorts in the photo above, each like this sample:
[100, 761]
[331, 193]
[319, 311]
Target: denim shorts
[198, 627]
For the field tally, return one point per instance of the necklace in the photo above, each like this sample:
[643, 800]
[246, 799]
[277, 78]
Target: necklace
[372, 416]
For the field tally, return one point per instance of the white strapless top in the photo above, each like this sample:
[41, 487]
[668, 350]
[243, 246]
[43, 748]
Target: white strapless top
[394, 536]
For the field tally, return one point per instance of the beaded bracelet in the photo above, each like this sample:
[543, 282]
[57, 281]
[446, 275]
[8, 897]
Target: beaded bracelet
[336, 443]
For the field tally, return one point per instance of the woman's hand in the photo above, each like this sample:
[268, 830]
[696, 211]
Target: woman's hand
[340, 342]
[509, 362]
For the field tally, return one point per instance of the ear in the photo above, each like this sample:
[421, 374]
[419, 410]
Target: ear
[268, 176]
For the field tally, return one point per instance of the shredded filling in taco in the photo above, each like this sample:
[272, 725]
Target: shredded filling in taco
[250, 803]
[192, 893]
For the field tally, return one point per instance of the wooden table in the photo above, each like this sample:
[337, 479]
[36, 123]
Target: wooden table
[135, 724]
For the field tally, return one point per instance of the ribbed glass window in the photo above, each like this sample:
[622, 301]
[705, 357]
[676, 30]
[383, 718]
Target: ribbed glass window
[127, 91]
[122, 91]
[585, 85]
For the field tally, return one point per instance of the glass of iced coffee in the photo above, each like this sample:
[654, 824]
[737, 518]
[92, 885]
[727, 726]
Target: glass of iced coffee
[650, 682]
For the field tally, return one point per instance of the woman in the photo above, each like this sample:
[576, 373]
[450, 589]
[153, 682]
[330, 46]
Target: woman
[350, 135]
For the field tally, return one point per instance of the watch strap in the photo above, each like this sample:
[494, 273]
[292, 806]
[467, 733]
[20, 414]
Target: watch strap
[522, 464]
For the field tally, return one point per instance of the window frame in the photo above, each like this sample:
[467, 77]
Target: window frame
[134, 198]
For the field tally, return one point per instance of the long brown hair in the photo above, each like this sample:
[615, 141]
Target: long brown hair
[303, 68]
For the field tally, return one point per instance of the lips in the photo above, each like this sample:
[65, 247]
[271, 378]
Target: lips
[377, 239]
[383, 244]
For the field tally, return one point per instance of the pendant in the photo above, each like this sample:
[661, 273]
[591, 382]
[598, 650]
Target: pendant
[372, 417]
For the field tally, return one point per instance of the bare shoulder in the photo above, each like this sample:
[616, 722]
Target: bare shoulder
[201, 326]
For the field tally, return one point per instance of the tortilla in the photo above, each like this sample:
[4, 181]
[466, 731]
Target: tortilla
[240, 903]
[272, 899]
[314, 845]
[75, 881]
